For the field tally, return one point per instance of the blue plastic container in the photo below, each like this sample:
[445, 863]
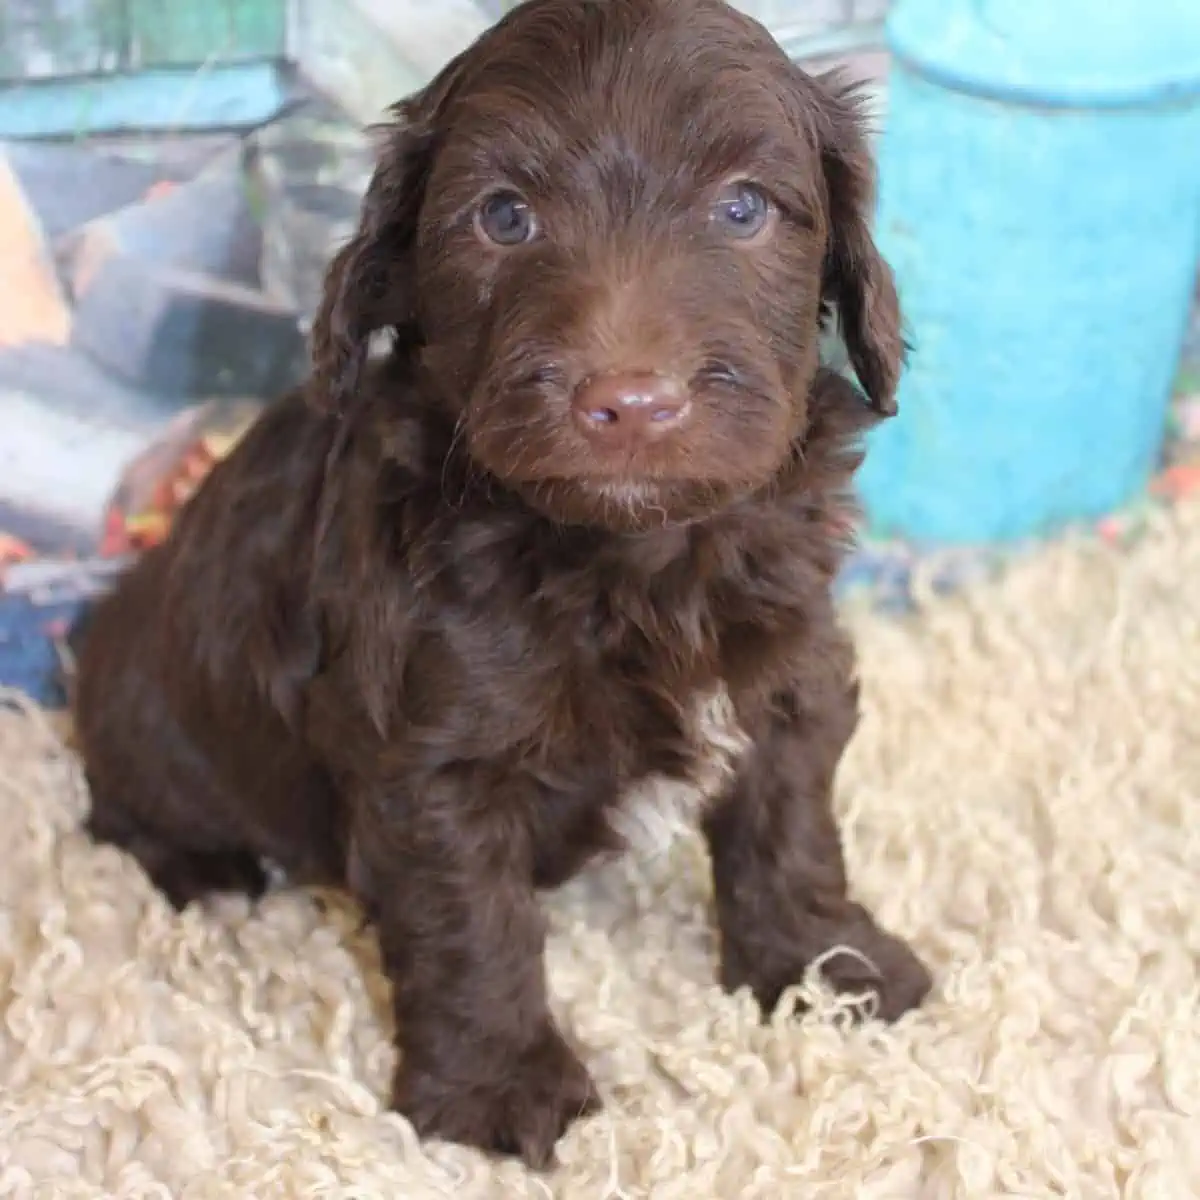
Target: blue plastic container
[1040, 204]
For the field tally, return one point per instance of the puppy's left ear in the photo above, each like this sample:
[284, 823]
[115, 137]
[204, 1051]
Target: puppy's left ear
[855, 277]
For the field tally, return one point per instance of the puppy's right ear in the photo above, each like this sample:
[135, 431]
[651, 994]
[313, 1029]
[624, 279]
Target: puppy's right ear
[371, 283]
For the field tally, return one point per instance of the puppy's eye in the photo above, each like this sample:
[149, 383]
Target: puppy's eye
[506, 219]
[742, 210]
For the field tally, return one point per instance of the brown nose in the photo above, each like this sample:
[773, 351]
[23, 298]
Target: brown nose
[629, 407]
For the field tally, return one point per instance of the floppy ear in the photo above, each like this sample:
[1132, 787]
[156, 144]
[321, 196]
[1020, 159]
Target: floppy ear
[856, 278]
[371, 284]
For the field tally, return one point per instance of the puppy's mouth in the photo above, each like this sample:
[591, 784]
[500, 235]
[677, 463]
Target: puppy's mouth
[629, 448]
[624, 505]
[628, 492]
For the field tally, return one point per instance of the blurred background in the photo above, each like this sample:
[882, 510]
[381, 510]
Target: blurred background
[174, 176]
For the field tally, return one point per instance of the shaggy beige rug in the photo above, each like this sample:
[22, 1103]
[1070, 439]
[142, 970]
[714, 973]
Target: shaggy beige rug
[1023, 801]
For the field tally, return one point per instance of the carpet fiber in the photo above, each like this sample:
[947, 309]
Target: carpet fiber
[1023, 801]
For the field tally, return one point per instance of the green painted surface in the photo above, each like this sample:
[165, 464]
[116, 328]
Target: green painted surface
[44, 37]
[200, 31]
[48, 39]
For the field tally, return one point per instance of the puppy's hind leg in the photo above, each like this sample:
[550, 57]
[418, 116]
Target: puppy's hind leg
[182, 873]
[156, 793]
[154, 796]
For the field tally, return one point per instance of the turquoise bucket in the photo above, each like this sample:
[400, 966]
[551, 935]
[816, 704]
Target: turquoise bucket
[1039, 201]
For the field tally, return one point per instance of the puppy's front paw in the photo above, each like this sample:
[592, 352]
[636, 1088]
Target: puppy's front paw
[520, 1107]
[856, 958]
[871, 960]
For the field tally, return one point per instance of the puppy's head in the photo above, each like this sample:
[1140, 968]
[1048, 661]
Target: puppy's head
[613, 227]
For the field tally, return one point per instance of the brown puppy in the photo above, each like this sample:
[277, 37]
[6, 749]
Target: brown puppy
[434, 616]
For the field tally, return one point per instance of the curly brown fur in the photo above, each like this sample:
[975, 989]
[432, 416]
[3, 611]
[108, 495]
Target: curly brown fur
[418, 635]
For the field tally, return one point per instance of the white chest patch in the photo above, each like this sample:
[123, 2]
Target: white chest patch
[656, 810]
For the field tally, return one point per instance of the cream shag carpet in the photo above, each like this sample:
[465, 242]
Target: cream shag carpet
[1023, 800]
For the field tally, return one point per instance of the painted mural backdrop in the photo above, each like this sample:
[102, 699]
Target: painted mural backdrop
[171, 186]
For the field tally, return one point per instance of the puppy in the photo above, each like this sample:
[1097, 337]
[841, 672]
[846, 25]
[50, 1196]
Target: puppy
[444, 607]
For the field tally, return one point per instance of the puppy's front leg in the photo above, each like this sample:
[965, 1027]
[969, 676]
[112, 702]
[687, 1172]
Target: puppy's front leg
[778, 870]
[449, 878]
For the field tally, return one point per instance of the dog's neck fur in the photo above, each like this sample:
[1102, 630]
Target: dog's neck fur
[724, 599]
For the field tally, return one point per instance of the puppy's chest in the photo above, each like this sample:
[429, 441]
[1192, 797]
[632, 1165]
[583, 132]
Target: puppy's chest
[676, 764]
[716, 736]
[660, 722]
[653, 689]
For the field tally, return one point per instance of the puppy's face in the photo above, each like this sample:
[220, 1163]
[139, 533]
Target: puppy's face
[613, 227]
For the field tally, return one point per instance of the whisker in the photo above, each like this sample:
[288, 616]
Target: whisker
[456, 438]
